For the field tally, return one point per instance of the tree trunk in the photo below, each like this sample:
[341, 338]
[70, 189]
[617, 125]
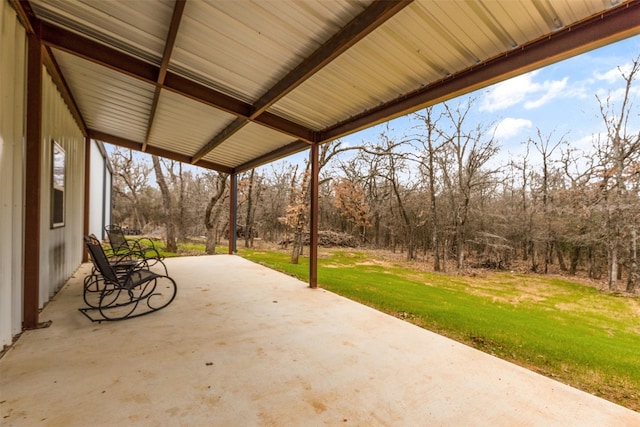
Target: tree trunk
[634, 274]
[432, 205]
[211, 216]
[563, 266]
[534, 258]
[444, 255]
[182, 205]
[613, 268]
[296, 249]
[575, 257]
[459, 249]
[167, 206]
[248, 225]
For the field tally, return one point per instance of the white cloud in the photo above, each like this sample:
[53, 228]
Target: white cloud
[553, 89]
[510, 92]
[518, 89]
[613, 75]
[510, 127]
[616, 95]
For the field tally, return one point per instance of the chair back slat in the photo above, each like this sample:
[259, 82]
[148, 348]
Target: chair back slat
[101, 262]
[116, 239]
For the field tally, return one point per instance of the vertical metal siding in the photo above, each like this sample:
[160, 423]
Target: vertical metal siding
[97, 203]
[12, 104]
[108, 200]
[60, 248]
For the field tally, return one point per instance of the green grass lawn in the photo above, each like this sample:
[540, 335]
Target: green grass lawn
[568, 331]
[184, 249]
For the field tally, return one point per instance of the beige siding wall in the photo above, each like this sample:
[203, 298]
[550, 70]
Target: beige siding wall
[99, 202]
[12, 107]
[61, 248]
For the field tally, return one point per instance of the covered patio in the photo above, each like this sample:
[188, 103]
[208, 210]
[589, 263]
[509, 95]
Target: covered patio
[245, 345]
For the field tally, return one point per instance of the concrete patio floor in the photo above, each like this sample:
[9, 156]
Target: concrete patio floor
[243, 345]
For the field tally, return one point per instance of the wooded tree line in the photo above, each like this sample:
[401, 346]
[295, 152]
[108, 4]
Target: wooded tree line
[436, 193]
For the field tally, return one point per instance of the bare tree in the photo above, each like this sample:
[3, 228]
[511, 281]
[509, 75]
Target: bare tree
[463, 163]
[432, 144]
[277, 183]
[619, 154]
[391, 164]
[522, 226]
[131, 176]
[251, 189]
[218, 186]
[167, 205]
[546, 148]
[179, 181]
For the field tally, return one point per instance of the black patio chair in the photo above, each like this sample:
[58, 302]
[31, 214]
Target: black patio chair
[118, 294]
[142, 248]
[94, 281]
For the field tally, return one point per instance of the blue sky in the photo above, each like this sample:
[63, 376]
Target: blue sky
[559, 98]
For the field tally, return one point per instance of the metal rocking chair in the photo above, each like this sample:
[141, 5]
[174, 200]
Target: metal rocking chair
[123, 293]
[142, 248]
[94, 281]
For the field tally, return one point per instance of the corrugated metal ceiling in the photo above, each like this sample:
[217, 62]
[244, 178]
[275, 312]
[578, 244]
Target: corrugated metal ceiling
[106, 98]
[233, 84]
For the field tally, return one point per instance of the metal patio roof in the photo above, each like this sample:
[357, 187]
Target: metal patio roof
[229, 85]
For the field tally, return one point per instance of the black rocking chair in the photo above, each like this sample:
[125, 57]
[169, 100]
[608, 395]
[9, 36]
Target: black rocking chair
[94, 281]
[117, 293]
[142, 248]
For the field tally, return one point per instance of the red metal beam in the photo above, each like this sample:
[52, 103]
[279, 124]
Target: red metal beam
[25, 14]
[75, 44]
[313, 222]
[376, 14]
[133, 145]
[615, 24]
[287, 150]
[52, 66]
[33, 167]
[226, 133]
[87, 194]
[285, 126]
[358, 28]
[98, 53]
[176, 17]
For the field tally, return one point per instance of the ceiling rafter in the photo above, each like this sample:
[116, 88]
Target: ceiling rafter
[615, 24]
[226, 133]
[176, 18]
[376, 14]
[294, 147]
[70, 42]
[172, 155]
